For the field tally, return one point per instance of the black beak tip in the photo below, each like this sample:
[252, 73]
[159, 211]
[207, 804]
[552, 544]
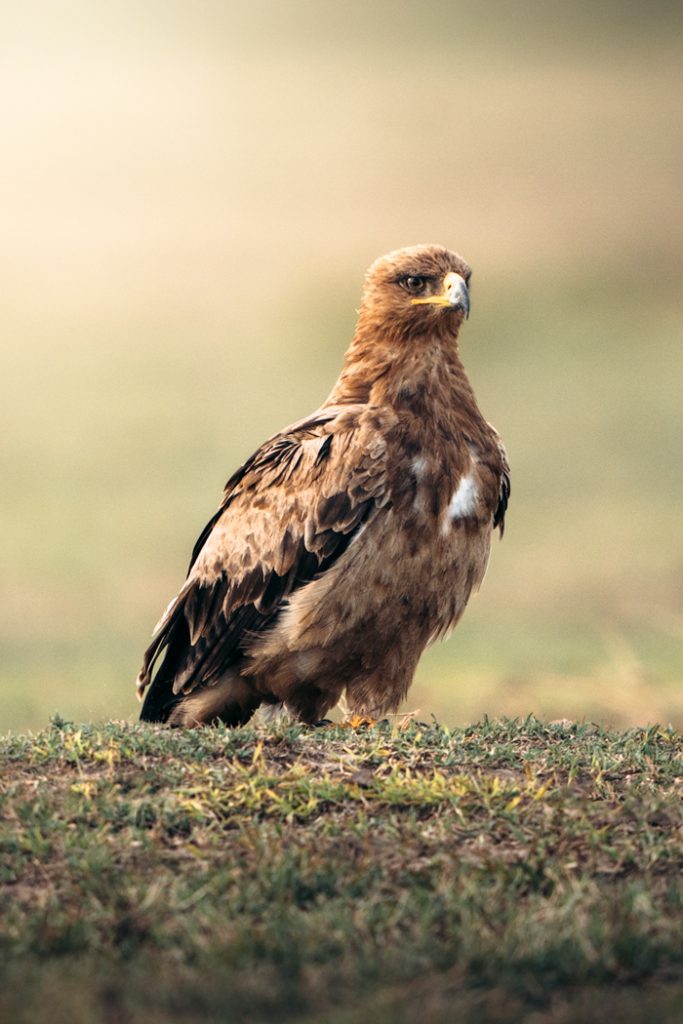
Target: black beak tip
[463, 305]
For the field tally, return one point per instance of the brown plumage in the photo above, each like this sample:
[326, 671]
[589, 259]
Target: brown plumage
[351, 539]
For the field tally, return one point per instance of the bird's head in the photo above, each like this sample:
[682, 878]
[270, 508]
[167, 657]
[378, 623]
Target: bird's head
[417, 289]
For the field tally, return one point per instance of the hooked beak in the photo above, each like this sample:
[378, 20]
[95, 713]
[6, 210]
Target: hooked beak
[454, 295]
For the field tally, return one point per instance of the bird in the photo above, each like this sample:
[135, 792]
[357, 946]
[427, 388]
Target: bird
[352, 539]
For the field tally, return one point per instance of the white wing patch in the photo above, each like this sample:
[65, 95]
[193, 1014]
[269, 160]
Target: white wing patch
[418, 466]
[359, 533]
[464, 500]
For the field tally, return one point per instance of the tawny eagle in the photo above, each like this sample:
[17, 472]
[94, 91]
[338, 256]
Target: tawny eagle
[350, 540]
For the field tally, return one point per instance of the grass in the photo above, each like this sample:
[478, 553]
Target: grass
[392, 873]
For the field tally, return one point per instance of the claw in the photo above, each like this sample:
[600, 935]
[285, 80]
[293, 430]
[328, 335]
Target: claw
[360, 722]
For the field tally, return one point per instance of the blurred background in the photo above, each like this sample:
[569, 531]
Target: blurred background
[190, 194]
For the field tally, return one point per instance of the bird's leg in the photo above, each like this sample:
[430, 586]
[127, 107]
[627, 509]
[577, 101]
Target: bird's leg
[231, 700]
[310, 703]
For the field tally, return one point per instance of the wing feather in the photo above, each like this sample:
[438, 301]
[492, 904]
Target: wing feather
[286, 516]
[504, 492]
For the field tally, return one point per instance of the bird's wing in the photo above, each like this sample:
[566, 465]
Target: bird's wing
[286, 516]
[504, 491]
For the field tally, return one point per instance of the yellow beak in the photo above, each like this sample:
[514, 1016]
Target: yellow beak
[454, 295]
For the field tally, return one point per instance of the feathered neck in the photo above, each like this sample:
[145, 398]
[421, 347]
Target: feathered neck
[384, 365]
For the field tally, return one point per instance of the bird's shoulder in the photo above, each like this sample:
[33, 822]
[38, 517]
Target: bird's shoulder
[333, 440]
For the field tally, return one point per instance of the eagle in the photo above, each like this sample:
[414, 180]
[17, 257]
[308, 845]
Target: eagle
[350, 540]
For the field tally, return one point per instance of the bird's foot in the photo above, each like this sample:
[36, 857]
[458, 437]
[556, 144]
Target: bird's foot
[352, 722]
[361, 722]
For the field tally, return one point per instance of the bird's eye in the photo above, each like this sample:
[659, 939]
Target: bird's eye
[414, 283]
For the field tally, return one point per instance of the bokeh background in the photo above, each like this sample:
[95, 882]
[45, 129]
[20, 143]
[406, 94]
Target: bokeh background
[190, 193]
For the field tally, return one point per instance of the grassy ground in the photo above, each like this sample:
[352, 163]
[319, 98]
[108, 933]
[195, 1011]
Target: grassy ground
[504, 872]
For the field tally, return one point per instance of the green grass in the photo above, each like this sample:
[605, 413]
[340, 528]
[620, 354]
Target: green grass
[392, 873]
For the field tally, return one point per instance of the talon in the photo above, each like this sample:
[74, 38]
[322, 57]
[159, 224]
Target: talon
[360, 722]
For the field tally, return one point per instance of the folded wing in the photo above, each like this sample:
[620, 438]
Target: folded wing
[286, 516]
